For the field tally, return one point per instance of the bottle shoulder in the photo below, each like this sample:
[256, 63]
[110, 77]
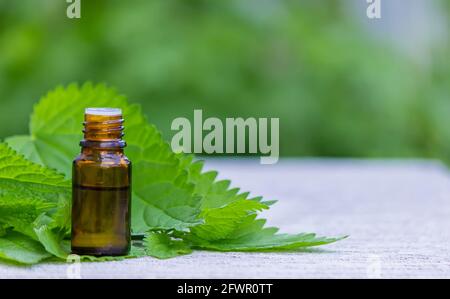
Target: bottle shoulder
[102, 159]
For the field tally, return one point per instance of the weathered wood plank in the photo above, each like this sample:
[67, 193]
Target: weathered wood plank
[397, 214]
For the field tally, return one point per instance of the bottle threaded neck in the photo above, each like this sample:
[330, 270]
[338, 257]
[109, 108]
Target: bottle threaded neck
[103, 127]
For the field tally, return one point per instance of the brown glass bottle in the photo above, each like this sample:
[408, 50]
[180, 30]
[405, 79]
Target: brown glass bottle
[101, 178]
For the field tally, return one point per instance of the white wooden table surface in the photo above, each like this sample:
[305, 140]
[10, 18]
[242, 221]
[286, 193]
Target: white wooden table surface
[397, 214]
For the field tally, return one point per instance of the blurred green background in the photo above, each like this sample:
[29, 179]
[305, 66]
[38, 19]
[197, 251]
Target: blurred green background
[341, 84]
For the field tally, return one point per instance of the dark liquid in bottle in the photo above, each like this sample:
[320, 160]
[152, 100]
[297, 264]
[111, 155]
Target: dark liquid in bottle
[103, 220]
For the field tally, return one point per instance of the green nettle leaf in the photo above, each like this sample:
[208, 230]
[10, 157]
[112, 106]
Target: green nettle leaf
[18, 248]
[252, 236]
[163, 246]
[174, 201]
[162, 196]
[51, 236]
[28, 190]
[29, 193]
[222, 222]
[224, 210]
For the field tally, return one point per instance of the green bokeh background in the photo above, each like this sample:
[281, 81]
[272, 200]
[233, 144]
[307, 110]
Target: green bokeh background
[338, 91]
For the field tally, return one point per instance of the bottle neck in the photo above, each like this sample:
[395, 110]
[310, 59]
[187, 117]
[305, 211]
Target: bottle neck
[103, 133]
[89, 150]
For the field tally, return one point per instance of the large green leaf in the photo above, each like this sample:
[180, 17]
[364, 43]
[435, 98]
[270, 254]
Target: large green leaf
[30, 193]
[19, 248]
[162, 196]
[28, 190]
[252, 236]
[163, 246]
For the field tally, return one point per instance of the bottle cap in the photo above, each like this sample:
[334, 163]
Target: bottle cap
[103, 111]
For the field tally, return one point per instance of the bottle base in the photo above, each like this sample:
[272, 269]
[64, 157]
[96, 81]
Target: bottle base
[95, 251]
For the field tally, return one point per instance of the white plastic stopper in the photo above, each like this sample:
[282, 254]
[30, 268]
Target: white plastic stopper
[103, 111]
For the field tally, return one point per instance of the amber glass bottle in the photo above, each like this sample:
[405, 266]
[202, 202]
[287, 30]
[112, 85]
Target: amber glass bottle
[101, 199]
